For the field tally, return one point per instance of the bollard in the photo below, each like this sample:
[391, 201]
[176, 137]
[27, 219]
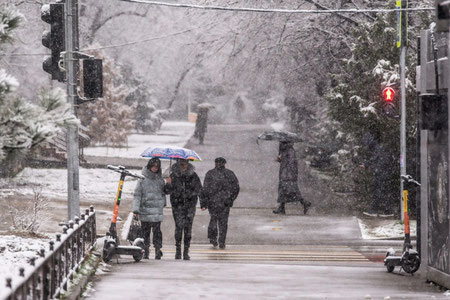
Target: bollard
[58, 237]
[9, 282]
[42, 253]
[71, 224]
[91, 208]
[32, 260]
[22, 272]
[82, 217]
[52, 244]
[77, 220]
[65, 229]
[86, 211]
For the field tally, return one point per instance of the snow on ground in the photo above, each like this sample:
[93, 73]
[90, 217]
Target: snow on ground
[385, 229]
[172, 133]
[54, 181]
[15, 252]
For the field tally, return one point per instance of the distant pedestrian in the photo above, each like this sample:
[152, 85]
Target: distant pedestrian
[239, 107]
[201, 124]
[220, 189]
[148, 205]
[184, 190]
[288, 190]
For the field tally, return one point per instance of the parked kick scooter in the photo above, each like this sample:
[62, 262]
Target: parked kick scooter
[409, 260]
[111, 245]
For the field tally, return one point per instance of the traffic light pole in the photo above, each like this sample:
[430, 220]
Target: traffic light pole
[402, 126]
[73, 163]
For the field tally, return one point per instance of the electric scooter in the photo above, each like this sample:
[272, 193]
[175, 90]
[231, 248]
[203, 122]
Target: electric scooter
[409, 261]
[112, 246]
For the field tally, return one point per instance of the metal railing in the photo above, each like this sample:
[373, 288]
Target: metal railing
[52, 271]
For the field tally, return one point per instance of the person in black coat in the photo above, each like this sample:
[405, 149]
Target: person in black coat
[184, 190]
[288, 190]
[201, 125]
[220, 189]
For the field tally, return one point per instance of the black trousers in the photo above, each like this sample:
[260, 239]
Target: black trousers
[147, 228]
[218, 224]
[184, 218]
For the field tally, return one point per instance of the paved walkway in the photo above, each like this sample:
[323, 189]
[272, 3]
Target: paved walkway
[267, 256]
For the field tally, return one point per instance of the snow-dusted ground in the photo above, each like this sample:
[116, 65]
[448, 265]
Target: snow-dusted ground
[173, 134]
[96, 185]
[385, 229]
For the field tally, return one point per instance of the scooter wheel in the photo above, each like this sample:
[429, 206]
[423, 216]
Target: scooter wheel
[140, 243]
[108, 251]
[389, 268]
[411, 263]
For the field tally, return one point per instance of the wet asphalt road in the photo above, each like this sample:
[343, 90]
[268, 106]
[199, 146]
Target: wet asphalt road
[267, 256]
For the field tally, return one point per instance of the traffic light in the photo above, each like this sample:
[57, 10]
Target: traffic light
[388, 94]
[53, 39]
[443, 15]
[92, 78]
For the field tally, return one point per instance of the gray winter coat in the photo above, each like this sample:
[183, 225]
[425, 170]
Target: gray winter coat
[149, 197]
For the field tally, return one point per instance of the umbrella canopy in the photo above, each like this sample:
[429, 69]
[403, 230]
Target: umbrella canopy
[205, 105]
[282, 136]
[171, 153]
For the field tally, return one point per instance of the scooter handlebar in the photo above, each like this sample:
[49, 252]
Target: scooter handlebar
[410, 179]
[122, 170]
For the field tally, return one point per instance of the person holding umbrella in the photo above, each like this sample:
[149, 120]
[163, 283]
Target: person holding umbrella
[148, 205]
[288, 190]
[184, 190]
[220, 189]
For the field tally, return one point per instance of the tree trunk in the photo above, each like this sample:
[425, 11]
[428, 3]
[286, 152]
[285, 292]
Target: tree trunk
[12, 164]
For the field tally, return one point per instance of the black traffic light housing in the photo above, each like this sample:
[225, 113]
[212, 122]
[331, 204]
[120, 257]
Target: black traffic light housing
[54, 39]
[92, 78]
[443, 15]
[434, 113]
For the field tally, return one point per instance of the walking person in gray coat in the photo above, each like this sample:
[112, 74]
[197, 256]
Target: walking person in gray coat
[149, 202]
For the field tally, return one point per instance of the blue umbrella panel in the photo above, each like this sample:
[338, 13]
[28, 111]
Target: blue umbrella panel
[171, 153]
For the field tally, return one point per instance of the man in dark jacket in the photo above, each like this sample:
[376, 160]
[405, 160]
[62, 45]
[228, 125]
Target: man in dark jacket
[288, 190]
[184, 190]
[220, 189]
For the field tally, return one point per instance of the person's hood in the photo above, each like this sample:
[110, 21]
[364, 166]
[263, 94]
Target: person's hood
[177, 171]
[149, 174]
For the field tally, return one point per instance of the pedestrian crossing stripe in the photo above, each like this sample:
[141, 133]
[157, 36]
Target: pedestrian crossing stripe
[284, 255]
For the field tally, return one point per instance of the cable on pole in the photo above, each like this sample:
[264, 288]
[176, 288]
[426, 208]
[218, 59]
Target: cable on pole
[277, 10]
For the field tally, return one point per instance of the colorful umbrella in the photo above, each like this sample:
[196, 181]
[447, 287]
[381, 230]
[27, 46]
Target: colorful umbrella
[171, 153]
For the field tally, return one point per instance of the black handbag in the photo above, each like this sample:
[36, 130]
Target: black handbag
[135, 231]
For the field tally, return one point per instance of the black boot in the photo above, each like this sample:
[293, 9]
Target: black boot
[186, 254]
[178, 252]
[146, 253]
[158, 253]
[280, 210]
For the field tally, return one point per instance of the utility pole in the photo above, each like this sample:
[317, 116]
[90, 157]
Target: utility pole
[402, 44]
[73, 163]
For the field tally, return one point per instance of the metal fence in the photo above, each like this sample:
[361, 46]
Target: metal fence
[51, 272]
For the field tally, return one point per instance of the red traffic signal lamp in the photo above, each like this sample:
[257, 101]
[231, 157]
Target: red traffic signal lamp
[388, 94]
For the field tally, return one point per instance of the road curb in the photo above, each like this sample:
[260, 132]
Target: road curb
[82, 278]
